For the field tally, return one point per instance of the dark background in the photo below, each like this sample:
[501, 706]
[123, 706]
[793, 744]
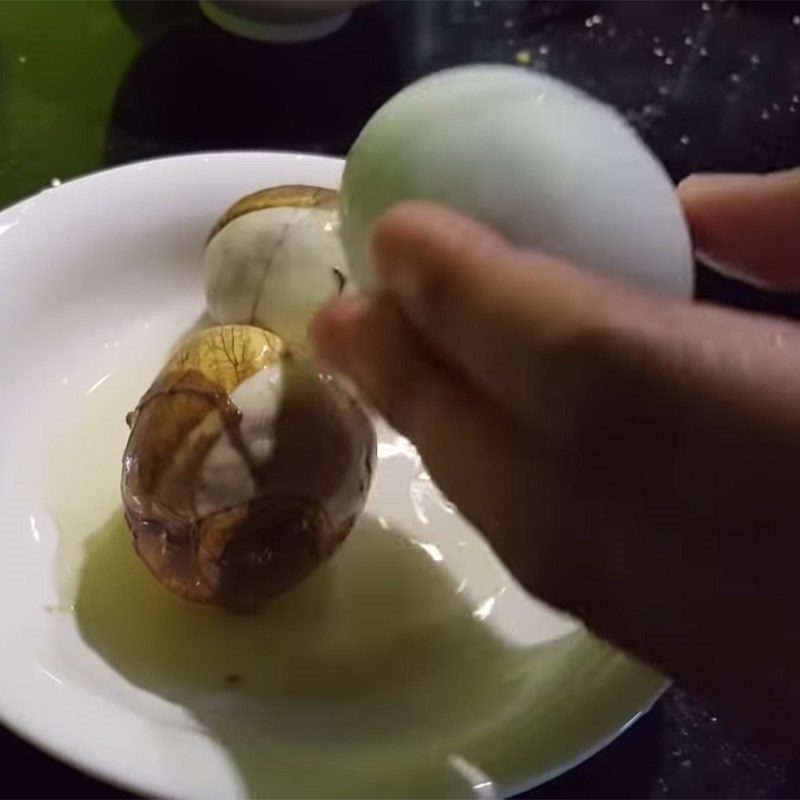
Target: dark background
[710, 86]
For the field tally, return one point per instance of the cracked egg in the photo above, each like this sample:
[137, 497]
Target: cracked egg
[244, 470]
[273, 258]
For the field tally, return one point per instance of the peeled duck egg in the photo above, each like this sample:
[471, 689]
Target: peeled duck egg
[545, 164]
[273, 258]
[244, 470]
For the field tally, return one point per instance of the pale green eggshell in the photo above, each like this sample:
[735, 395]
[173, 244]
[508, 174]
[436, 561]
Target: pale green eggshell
[545, 164]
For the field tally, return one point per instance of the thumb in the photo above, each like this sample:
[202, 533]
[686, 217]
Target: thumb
[747, 226]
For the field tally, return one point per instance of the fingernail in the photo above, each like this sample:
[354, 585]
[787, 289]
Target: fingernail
[721, 180]
[346, 309]
[400, 279]
[729, 270]
[392, 274]
[332, 330]
[721, 176]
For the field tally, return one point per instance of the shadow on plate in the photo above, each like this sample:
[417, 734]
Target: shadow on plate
[365, 680]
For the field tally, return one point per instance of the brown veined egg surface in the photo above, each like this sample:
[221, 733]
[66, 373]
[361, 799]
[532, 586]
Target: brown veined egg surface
[244, 470]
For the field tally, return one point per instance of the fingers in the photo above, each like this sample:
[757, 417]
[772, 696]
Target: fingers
[747, 225]
[491, 468]
[503, 317]
[369, 340]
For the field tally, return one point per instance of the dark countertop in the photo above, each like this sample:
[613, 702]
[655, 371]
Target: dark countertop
[711, 86]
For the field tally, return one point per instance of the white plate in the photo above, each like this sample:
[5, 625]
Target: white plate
[412, 665]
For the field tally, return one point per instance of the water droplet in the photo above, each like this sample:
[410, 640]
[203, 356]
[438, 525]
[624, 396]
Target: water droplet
[55, 182]
[663, 90]
[658, 52]
[734, 78]
[523, 57]
[688, 41]
[656, 40]
[796, 98]
[764, 114]
[612, 31]
[686, 763]
[776, 106]
[706, 6]
[543, 49]
[755, 60]
[509, 23]
[796, 20]
[669, 61]
[685, 139]
[23, 59]
[703, 52]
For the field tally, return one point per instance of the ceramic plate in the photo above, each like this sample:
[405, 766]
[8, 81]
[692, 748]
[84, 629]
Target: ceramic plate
[411, 665]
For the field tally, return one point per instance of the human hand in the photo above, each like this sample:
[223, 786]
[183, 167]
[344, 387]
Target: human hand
[632, 458]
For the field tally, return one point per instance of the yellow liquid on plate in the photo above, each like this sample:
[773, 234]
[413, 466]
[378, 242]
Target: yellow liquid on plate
[372, 659]
[369, 678]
